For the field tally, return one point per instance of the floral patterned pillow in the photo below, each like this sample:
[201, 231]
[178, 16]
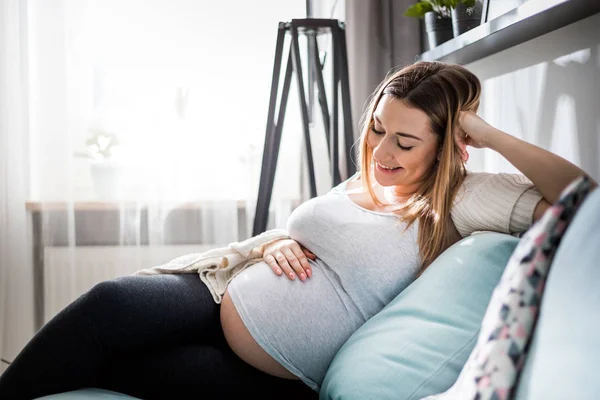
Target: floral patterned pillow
[493, 366]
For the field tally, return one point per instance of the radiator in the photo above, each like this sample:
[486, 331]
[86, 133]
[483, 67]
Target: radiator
[71, 271]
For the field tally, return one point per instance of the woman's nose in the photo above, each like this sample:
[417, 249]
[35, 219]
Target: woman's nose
[383, 151]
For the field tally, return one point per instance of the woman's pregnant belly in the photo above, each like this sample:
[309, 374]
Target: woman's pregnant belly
[244, 345]
[288, 328]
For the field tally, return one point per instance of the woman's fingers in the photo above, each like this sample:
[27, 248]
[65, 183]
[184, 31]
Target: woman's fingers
[305, 271]
[289, 258]
[292, 260]
[279, 264]
[309, 253]
[285, 266]
[303, 255]
[271, 262]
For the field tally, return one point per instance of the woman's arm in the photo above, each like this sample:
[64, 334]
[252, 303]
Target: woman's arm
[549, 172]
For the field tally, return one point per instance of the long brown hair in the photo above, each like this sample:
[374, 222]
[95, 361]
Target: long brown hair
[440, 90]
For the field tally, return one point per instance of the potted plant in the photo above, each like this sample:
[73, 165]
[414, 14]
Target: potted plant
[438, 19]
[466, 15]
[105, 171]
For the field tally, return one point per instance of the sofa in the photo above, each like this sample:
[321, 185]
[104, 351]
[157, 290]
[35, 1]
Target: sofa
[417, 345]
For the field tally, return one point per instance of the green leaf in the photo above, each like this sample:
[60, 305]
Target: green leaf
[450, 4]
[418, 10]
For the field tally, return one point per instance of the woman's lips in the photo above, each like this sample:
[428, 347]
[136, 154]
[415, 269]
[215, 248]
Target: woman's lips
[387, 171]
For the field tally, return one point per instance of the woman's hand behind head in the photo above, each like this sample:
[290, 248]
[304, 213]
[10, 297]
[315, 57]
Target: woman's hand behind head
[473, 131]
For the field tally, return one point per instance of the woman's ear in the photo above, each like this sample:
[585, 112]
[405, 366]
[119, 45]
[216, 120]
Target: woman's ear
[460, 138]
[464, 154]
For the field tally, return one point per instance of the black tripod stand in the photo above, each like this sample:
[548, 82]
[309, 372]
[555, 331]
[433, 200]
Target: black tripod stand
[311, 28]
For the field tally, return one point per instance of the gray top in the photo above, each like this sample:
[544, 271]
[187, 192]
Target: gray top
[363, 261]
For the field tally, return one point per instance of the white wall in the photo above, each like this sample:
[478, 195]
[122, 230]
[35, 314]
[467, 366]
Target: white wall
[547, 92]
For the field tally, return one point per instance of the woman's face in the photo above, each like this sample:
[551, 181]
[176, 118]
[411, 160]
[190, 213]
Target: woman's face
[404, 148]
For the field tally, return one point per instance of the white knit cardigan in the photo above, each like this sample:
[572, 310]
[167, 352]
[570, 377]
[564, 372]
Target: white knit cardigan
[218, 266]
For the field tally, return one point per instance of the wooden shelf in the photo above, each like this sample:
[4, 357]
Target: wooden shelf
[528, 21]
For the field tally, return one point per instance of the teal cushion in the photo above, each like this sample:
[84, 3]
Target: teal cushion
[562, 362]
[88, 394]
[417, 345]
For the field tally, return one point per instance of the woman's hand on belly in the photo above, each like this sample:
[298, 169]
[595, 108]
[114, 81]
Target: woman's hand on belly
[289, 257]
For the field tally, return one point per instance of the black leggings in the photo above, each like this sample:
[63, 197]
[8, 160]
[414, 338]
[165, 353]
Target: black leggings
[152, 337]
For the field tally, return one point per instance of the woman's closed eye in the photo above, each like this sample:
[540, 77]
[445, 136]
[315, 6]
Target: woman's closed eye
[377, 132]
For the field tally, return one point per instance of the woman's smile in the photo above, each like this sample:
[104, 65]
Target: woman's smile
[387, 169]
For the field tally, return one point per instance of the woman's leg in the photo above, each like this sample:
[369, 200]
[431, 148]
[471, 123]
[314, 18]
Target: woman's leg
[118, 316]
[196, 371]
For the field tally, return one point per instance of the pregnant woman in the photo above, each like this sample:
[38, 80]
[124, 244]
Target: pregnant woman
[349, 253]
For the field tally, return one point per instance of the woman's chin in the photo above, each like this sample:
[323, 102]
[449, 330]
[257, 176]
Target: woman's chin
[383, 182]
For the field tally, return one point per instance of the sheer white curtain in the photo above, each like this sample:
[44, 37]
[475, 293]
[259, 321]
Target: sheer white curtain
[16, 307]
[132, 132]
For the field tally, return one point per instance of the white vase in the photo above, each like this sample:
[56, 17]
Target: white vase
[106, 179]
